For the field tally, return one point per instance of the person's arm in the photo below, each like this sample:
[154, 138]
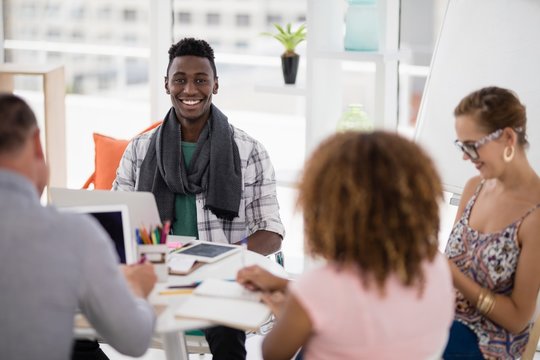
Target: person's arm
[141, 278]
[264, 242]
[512, 312]
[125, 321]
[289, 334]
[255, 277]
[261, 208]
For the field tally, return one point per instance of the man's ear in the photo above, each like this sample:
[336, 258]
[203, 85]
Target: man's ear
[166, 84]
[40, 172]
[38, 149]
[216, 86]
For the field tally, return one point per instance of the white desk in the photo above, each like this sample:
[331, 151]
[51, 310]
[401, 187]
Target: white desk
[171, 329]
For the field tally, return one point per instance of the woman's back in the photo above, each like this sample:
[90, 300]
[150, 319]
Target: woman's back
[352, 322]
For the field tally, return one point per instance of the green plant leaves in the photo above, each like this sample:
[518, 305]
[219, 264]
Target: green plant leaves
[287, 37]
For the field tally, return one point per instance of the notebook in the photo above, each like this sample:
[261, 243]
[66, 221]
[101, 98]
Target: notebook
[226, 303]
[115, 221]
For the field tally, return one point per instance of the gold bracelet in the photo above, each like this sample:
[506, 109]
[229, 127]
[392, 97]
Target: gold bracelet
[490, 303]
[480, 299]
[485, 302]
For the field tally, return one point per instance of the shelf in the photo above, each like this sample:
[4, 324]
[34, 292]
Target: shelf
[281, 89]
[360, 55]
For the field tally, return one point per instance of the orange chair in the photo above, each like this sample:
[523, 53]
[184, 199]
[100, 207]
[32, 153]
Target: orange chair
[108, 154]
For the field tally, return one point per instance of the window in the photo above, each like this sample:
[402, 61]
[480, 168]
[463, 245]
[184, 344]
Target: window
[213, 19]
[130, 39]
[418, 40]
[101, 58]
[104, 13]
[77, 12]
[183, 17]
[77, 35]
[130, 15]
[273, 19]
[243, 20]
[52, 9]
[53, 34]
[28, 10]
[241, 44]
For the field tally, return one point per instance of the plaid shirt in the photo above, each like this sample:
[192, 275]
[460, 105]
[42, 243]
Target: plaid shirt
[259, 209]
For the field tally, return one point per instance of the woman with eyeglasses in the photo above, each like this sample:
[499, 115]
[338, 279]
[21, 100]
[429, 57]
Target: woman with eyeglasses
[494, 246]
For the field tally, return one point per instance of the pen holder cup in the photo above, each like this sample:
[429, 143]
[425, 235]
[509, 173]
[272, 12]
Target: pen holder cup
[157, 255]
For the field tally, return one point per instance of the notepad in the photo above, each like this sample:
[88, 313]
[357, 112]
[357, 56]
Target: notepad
[225, 303]
[226, 289]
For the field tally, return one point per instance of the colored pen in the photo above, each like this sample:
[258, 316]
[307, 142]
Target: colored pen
[142, 260]
[165, 231]
[190, 286]
[193, 285]
[145, 237]
[138, 237]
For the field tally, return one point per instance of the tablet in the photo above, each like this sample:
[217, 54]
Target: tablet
[207, 251]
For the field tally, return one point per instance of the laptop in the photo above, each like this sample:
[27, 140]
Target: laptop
[115, 221]
[143, 211]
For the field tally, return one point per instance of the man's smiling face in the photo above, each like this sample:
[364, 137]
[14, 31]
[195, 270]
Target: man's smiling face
[191, 82]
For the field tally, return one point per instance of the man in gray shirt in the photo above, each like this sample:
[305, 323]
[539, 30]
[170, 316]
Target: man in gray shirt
[51, 263]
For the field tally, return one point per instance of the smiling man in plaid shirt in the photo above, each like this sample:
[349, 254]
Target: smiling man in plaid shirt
[212, 180]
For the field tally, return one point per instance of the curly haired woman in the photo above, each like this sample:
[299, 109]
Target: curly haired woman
[370, 206]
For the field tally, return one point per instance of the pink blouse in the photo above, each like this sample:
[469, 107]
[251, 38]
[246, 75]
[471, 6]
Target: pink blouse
[354, 322]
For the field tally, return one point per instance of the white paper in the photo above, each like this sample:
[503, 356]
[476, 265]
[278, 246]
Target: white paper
[181, 264]
[246, 315]
[226, 289]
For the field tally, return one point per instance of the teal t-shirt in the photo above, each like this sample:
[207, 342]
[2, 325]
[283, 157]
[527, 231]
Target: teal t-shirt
[184, 205]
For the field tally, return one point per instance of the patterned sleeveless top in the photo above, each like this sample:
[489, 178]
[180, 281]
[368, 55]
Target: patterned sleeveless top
[491, 260]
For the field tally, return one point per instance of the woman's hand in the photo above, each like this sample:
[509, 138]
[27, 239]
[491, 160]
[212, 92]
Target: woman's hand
[275, 301]
[256, 278]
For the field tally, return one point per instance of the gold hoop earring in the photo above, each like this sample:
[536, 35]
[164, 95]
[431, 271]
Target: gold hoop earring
[508, 156]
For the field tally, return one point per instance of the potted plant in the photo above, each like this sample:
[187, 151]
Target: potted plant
[289, 39]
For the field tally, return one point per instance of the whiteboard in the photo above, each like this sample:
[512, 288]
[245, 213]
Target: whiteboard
[482, 43]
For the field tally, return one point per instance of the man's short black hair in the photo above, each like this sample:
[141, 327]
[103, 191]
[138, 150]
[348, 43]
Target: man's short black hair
[194, 47]
[16, 121]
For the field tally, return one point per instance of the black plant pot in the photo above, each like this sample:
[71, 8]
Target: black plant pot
[289, 65]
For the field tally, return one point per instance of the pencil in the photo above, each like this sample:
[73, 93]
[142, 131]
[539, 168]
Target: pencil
[176, 292]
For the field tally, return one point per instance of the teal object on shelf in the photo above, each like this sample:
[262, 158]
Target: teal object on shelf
[354, 119]
[362, 26]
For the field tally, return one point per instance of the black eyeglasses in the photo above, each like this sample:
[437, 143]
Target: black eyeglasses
[471, 148]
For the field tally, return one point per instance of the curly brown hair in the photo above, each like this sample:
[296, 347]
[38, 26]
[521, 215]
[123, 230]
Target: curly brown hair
[496, 108]
[372, 200]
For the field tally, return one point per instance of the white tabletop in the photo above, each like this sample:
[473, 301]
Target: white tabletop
[168, 327]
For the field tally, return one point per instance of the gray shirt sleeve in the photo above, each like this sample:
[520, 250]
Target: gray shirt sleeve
[124, 321]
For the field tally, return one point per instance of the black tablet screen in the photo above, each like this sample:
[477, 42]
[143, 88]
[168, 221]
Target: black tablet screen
[207, 250]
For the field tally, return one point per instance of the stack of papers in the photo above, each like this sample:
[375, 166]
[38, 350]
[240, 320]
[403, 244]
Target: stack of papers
[225, 303]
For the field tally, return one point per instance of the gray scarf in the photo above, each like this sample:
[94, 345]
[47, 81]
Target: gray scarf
[214, 168]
